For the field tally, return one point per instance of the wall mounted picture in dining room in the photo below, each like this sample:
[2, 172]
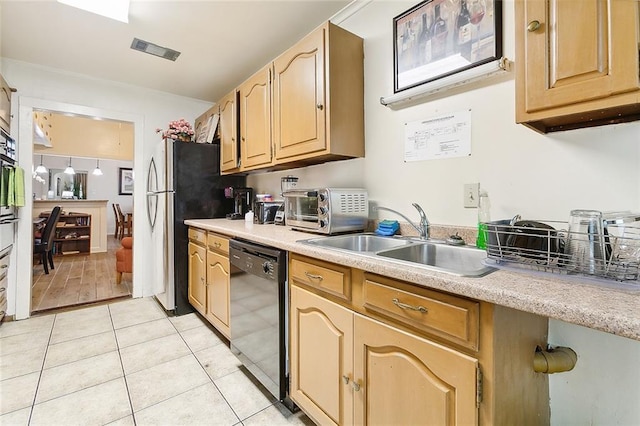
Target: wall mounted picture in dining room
[125, 181]
[438, 38]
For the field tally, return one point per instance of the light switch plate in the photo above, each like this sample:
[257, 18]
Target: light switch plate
[471, 195]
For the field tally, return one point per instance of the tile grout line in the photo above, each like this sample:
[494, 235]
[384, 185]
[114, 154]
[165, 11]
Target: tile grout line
[44, 359]
[124, 376]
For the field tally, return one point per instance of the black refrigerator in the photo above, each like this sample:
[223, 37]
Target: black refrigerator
[183, 182]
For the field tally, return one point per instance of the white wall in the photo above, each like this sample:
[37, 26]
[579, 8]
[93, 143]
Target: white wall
[104, 187]
[57, 91]
[538, 176]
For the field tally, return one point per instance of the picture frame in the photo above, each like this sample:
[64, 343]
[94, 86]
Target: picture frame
[438, 38]
[125, 181]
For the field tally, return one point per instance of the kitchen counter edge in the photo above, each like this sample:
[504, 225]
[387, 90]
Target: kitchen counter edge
[614, 309]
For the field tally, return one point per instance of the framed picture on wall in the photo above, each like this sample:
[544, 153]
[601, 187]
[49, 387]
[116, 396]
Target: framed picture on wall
[125, 181]
[438, 38]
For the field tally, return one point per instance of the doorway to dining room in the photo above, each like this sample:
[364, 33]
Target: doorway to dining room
[85, 269]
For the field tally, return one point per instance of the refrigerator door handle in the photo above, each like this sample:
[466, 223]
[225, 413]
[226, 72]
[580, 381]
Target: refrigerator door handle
[168, 191]
[152, 197]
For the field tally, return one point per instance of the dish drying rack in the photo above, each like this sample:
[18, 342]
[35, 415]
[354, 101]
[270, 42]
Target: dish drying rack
[542, 248]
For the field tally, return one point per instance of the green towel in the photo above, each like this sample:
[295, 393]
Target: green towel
[11, 192]
[4, 186]
[19, 187]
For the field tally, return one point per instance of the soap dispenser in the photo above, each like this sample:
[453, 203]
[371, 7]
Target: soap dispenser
[484, 207]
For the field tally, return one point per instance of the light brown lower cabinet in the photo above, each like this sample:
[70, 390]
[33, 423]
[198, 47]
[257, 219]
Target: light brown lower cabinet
[218, 283]
[354, 370]
[424, 358]
[209, 277]
[197, 276]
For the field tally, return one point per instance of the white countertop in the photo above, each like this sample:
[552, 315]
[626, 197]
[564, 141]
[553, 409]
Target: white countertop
[612, 309]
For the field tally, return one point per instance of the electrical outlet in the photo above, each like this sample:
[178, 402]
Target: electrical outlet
[471, 195]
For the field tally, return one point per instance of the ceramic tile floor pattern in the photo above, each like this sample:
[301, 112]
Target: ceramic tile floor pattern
[126, 363]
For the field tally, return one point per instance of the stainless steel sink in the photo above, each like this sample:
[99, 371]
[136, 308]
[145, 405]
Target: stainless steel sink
[359, 242]
[458, 260]
[435, 256]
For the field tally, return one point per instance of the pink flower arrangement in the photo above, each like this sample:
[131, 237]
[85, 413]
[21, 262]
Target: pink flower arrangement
[178, 130]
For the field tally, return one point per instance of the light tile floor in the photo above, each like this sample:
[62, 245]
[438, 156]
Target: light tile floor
[127, 363]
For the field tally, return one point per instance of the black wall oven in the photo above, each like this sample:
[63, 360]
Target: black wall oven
[8, 215]
[7, 165]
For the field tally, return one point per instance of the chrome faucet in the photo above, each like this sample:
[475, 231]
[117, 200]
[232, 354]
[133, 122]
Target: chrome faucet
[422, 228]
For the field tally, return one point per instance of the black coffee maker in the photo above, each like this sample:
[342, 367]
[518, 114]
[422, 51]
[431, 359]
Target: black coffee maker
[242, 201]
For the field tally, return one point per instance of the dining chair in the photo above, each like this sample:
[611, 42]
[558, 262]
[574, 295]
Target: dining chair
[44, 246]
[126, 222]
[119, 225]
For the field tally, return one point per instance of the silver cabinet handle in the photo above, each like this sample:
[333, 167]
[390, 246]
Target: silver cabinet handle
[320, 107]
[401, 305]
[3, 289]
[217, 244]
[355, 385]
[346, 380]
[313, 276]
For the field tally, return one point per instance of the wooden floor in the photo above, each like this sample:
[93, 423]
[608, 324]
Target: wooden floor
[78, 279]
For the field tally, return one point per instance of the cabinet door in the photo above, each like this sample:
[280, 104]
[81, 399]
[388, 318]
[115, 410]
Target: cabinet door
[228, 132]
[255, 119]
[408, 380]
[321, 346]
[5, 106]
[197, 277]
[299, 98]
[581, 51]
[218, 290]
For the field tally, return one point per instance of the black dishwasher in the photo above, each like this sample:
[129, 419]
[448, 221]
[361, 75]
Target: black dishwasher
[259, 314]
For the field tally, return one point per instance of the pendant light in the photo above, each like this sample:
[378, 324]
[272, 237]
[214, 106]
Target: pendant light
[69, 170]
[41, 168]
[97, 171]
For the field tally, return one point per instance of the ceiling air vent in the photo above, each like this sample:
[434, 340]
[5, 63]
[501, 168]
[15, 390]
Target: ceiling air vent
[154, 49]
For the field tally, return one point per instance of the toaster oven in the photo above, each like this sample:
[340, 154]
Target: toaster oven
[327, 210]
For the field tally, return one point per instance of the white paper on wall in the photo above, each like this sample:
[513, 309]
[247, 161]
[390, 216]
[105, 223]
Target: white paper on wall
[445, 136]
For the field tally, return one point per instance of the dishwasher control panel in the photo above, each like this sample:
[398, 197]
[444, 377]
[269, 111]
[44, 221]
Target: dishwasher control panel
[262, 261]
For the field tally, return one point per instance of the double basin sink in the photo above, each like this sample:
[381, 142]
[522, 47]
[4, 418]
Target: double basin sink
[433, 255]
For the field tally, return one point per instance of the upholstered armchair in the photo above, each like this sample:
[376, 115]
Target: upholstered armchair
[124, 258]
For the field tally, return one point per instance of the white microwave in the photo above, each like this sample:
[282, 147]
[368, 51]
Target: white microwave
[7, 147]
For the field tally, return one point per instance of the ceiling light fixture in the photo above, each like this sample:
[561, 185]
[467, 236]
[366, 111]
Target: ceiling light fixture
[154, 49]
[69, 170]
[97, 171]
[41, 168]
[113, 9]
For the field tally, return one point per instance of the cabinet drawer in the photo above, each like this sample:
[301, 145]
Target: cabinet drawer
[218, 243]
[198, 236]
[330, 278]
[454, 318]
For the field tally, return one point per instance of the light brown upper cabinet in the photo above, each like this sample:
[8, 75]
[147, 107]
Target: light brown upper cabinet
[255, 120]
[318, 98]
[229, 133]
[5, 106]
[578, 63]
